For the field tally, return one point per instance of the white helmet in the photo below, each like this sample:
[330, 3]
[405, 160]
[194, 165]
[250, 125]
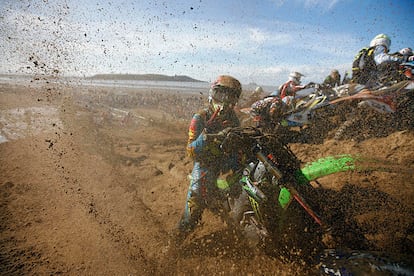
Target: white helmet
[406, 52]
[381, 39]
[295, 77]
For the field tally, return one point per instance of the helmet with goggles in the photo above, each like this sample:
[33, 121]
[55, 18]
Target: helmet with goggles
[225, 89]
[381, 40]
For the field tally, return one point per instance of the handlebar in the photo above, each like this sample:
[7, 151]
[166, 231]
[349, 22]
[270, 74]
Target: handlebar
[252, 137]
[276, 172]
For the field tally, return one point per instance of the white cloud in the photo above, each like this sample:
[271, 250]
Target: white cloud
[332, 4]
[260, 36]
[325, 5]
[200, 49]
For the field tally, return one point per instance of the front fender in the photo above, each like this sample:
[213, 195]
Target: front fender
[326, 166]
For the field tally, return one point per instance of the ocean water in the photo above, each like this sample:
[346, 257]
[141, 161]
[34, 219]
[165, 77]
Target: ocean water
[191, 87]
[174, 86]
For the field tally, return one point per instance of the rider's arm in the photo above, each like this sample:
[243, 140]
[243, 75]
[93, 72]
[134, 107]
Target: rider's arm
[380, 56]
[196, 139]
[296, 88]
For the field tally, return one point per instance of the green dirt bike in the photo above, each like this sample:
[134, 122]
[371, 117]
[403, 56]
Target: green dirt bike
[272, 206]
[275, 194]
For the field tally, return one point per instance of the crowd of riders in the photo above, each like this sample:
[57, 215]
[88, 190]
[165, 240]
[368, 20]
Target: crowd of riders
[372, 65]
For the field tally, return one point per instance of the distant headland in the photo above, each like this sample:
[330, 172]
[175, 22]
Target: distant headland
[148, 77]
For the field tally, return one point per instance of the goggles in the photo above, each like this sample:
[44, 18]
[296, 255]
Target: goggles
[223, 94]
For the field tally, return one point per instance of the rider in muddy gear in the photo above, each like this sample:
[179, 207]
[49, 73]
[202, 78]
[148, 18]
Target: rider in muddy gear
[387, 64]
[287, 91]
[209, 161]
[268, 112]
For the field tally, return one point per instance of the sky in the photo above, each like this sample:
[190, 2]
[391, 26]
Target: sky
[255, 41]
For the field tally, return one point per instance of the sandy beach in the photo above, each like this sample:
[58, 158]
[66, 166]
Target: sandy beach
[93, 180]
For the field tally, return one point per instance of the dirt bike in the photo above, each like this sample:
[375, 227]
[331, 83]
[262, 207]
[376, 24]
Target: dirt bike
[271, 179]
[277, 208]
[390, 108]
[383, 98]
[348, 108]
[307, 102]
[301, 115]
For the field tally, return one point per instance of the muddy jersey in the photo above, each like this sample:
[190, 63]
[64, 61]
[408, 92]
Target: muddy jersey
[204, 120]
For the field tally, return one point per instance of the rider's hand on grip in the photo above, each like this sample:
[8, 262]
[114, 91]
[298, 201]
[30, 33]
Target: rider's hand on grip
[207, 136]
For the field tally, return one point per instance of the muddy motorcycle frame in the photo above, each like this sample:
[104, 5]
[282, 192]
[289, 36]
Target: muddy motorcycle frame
[308, 103]
[270, 168]
[302, 114]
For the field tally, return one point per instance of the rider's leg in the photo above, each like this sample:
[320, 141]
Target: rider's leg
[240, 205]
[194, 205]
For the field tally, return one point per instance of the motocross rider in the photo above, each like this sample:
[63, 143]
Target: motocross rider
[268, 111]
[387, 64]
[334, 79]
[209, 162]
[288, 90]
